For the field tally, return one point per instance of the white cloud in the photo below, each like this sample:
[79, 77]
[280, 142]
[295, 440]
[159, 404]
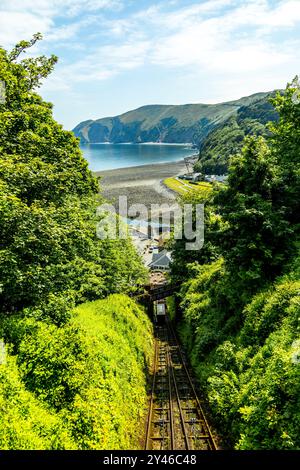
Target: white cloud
[70, 30]
[20, 19]
[182, 17]
[106, 62]
[55, 7]
[21, 25]
[232, 41]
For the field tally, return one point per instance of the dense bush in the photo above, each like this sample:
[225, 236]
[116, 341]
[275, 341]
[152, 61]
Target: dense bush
[89, 374]
[227, 138]
[240, 298]
[251, 375]
[25, 422]
[74, 379]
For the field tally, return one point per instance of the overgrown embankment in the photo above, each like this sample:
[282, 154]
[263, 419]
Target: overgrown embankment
[240, 294]
[77, 386]
[247, 363]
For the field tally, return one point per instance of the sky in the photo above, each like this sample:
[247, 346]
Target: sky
[117, 55]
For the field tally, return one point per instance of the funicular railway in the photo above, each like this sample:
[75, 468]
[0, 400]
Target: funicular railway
[176, 420]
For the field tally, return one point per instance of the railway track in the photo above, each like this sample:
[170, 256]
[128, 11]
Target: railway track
[176, 420]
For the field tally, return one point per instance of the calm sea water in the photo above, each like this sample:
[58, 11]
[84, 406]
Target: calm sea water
[111, 156]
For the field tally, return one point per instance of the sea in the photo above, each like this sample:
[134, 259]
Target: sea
[112, 156]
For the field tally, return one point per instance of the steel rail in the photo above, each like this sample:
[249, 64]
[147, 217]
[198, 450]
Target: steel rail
[152, 397]
[171, 415]
[170, 375]
[202, 414]
[185, 433]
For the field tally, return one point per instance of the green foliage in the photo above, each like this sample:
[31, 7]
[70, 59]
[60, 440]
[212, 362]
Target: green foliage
[285, 148]
[48, 202]
[25, 422]
[206, 316]
[213, 224]
[51, 363]
[171, 307]
[89, 374]
[73, 380]
[119, 346]
[250, 374]
[227, 138]
[265, 408]
[122, 266]
[240, 297]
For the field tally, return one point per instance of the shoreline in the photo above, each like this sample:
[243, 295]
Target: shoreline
[179, 144]
[146, 167]
[141, 184]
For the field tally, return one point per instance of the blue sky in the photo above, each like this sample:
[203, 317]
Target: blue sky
[117, 55]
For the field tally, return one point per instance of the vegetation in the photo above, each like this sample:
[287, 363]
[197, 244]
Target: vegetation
[182, 187]
[78, 348]
[227, 138]
[171, 307]
[68, 372]
[240, 294]
[77, 386]
[25, 422]
[49, 248]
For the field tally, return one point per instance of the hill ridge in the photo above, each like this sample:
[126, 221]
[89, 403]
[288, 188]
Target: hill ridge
[163, 123]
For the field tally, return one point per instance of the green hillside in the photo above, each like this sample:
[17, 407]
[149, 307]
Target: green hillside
[65, 387]
[163, 123]
[227, 139]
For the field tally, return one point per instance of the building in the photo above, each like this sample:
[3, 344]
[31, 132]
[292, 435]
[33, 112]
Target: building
[216, 178]
[160, 261]
[191, 177]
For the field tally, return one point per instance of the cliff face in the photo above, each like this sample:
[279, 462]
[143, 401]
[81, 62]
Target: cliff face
[162, 123]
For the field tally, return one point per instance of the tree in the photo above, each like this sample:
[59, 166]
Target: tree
[48, 200]
[284, 145]
[241, 313]
[260, 207]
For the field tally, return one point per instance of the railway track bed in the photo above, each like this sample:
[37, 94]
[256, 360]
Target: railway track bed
[176, 420]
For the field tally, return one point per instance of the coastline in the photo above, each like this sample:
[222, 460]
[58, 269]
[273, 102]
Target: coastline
[141, 184]
[146, 169]
[176, 144]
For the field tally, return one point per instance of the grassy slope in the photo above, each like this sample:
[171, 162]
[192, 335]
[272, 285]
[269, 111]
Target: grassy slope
[25, 422]
[228, 137]
[79, 386]
[184, 187]
[248, 365]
